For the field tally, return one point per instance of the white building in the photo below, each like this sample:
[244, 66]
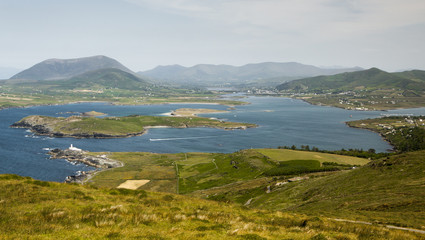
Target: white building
[72, 148]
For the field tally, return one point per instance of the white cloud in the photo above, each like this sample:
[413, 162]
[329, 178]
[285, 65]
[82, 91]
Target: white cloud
[146, 33]
[309, 17]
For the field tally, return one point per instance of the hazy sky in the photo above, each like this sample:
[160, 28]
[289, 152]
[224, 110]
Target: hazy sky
[141, 34]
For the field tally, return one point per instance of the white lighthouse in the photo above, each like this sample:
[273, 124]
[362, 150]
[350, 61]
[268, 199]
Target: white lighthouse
[72, 148]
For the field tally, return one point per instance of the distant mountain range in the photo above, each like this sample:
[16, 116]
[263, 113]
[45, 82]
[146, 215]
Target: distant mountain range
[205, 74]
[54, 69]
[373, 78]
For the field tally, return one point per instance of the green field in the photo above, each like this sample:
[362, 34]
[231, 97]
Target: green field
[287, 154]
[196, 172]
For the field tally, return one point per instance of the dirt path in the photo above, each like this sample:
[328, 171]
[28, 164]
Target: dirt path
[387, 226]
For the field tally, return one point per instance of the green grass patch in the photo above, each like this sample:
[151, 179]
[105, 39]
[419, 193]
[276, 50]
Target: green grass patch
[287, 155]
[295, 167]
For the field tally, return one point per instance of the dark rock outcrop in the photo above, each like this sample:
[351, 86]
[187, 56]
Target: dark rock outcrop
[101, 162]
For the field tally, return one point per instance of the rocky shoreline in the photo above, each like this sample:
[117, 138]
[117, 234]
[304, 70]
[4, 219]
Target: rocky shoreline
[75, 155]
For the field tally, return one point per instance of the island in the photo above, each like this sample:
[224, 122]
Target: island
[189, 112]
[116, 127]
[92, 114]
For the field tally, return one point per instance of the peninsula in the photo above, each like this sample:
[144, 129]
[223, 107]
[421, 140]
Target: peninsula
[115, 127]
[404, 133]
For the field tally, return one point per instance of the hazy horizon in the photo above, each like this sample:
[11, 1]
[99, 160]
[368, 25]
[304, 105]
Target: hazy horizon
[143, 34]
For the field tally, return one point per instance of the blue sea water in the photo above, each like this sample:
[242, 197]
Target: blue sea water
[282, 121]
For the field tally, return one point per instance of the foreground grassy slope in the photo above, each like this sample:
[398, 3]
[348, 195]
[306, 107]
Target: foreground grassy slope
[390, 190]
[32, 209]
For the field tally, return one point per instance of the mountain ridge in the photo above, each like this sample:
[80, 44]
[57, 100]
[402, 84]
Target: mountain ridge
[210, 73]
[370, 78]
[55, 69]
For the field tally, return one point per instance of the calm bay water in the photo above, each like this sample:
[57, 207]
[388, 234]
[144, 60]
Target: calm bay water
[281, 121]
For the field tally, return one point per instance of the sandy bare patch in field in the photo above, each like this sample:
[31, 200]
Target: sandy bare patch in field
[133, 184]
[88, 91]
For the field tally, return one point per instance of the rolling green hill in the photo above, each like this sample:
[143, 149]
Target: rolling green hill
[108, 78]
[368, 79]
[415, 75]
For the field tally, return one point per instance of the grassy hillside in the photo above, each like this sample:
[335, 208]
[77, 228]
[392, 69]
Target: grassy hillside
[103, 79]
[32, 209]
[385, 191]
[389, 191]
[368, 79]
[371, 89]
[414, 75]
